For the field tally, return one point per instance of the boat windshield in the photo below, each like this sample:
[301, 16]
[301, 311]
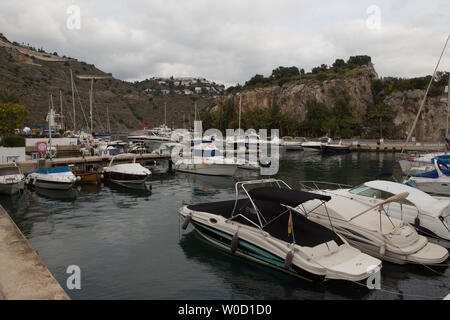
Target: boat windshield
[366, 191]
[9, 170]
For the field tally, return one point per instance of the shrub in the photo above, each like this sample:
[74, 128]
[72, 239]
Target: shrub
[13, 142]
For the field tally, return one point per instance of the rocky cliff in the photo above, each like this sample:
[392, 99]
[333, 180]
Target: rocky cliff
[292, 97]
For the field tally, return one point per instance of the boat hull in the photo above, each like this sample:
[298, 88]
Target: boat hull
[52, 185]
[335, 149]
[223, 241]
[125, 179]
[11, 188]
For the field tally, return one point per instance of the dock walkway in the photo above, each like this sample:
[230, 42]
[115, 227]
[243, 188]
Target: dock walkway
[23, 275]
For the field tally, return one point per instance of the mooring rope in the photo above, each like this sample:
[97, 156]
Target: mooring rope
[391, 291]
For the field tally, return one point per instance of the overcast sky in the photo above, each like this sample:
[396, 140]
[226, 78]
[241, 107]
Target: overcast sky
[230, 41]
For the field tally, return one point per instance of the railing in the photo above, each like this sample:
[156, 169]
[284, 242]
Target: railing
[315, 185]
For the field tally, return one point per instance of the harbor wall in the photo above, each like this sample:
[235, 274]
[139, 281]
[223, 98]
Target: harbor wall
[10, 155]
[23, 275]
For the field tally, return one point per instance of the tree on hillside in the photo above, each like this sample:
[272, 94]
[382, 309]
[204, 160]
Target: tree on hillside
[12, 116]
[257, 79]
[284, 72]
[380, 120]
[359, 60]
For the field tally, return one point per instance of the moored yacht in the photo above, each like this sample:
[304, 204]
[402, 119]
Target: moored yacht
[436, 181]
[58, 178]
[266, 228]
[315, 144]
[371, 229]
[428, 215]
[126, 174]
[206, 159]
[12, 179]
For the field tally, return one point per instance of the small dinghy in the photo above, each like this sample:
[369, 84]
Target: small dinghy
[86, 176]
[266, 228]
[58, 178]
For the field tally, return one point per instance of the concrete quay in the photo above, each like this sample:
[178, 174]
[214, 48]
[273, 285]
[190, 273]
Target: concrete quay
[23, 275]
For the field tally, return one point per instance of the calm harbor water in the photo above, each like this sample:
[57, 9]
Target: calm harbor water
[129, 245]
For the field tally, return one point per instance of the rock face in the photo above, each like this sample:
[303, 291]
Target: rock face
[293, 97]
[432, 121]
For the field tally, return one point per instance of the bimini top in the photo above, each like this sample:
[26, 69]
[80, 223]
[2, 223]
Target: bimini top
[291, 198]
[53, 170]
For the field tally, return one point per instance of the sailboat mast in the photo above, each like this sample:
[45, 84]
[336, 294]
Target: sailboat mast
[165, 113]
[90, 102]
[73, 100]
[61, 116]
[107, 114]
[448, 104]
[240, 109]
[50, 122]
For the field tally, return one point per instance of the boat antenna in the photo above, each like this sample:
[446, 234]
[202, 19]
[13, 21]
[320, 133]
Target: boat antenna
[425, 96]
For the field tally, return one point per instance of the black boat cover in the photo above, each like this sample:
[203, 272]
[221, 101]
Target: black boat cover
[288, 197]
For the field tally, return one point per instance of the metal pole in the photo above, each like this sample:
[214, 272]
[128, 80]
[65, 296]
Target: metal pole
[50, 120]
[73, 100]
[240, 108]
[92, 89]
[61, 116]
[448, 104]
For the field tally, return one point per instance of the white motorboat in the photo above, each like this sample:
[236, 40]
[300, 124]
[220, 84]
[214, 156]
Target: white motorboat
[371, 229]
[149, 136]
[422, 163]
[58, 178]
[335, 148]
[436, 181]
[315, 144]
[12, 179]
[291, 144]
[429, 216]
[126, 174]
[265, 228]
[206, 159]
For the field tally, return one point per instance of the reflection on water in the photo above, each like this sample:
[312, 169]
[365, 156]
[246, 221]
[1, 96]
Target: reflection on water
[261, 282]
[62, 195]
[128, 243]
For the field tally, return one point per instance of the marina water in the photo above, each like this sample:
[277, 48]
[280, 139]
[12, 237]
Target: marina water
[128, 244]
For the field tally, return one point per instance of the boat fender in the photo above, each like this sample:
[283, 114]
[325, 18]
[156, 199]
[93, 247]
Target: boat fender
[288, 260]
[78, 178]
[186, 222]
[234, 243]
[382, 250]
[102, 176]
[417, 223]
[34, 181]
